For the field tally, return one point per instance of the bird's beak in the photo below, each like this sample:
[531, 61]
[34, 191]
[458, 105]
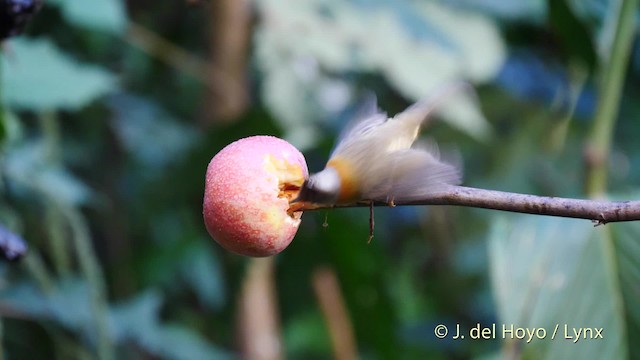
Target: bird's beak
[302, 194]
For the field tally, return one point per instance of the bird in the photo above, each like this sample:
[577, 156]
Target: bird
[377, 159]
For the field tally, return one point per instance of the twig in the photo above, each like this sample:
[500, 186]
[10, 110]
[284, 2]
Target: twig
[599, 211]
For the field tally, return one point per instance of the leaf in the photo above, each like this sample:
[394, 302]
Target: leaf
[151, 135]
[178, 342]
[103, 15]
[418, 47]
[306, 334]
[290, 101]
[39, 77]
[138, 320]
[474, 49]
[572, 32]
[12, 130]
[68, 304]
[530, 76]
[549, 272]
[626, 237]
[463, 112]
[522, 10]
[28, 166]
[141, 310]
[362, 276]
[202, 271]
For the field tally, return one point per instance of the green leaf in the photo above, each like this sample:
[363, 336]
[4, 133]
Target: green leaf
[38, 77]
[152, 136]
[290, 100]
[202, 271]
[523, 10]
[103, 15]
[181, 343]
[363, 280]
[141, 310]
[306, 335]
[11, 127]
[554, 272]
[68, 305]
[313, 39]
[138, 321]
[627, 236]
[572, 32]
[29, 167]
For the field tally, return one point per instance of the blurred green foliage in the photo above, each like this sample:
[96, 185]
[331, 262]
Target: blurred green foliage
[103, 156]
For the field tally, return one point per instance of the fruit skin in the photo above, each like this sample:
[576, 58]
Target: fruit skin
[247, 190]
[15, 14]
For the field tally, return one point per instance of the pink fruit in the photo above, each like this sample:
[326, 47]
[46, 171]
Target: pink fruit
[247, 191]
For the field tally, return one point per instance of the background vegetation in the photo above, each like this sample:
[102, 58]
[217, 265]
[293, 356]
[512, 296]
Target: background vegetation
[112, 110]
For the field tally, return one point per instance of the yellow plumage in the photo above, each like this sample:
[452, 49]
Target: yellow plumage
[375, 159]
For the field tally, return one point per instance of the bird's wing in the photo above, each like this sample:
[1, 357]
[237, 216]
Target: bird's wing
[408, 175]
[367, 118]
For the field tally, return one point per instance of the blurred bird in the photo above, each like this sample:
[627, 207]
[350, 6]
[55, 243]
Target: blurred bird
[375, 158]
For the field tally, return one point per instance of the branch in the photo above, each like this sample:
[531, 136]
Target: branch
[598, 211]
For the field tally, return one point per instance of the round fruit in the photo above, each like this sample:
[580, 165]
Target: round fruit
[248, 187]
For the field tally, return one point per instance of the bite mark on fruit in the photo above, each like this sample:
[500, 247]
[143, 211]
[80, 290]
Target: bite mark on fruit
[290, 179]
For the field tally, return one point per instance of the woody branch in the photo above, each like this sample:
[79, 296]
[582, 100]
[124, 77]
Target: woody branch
[599, 211]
